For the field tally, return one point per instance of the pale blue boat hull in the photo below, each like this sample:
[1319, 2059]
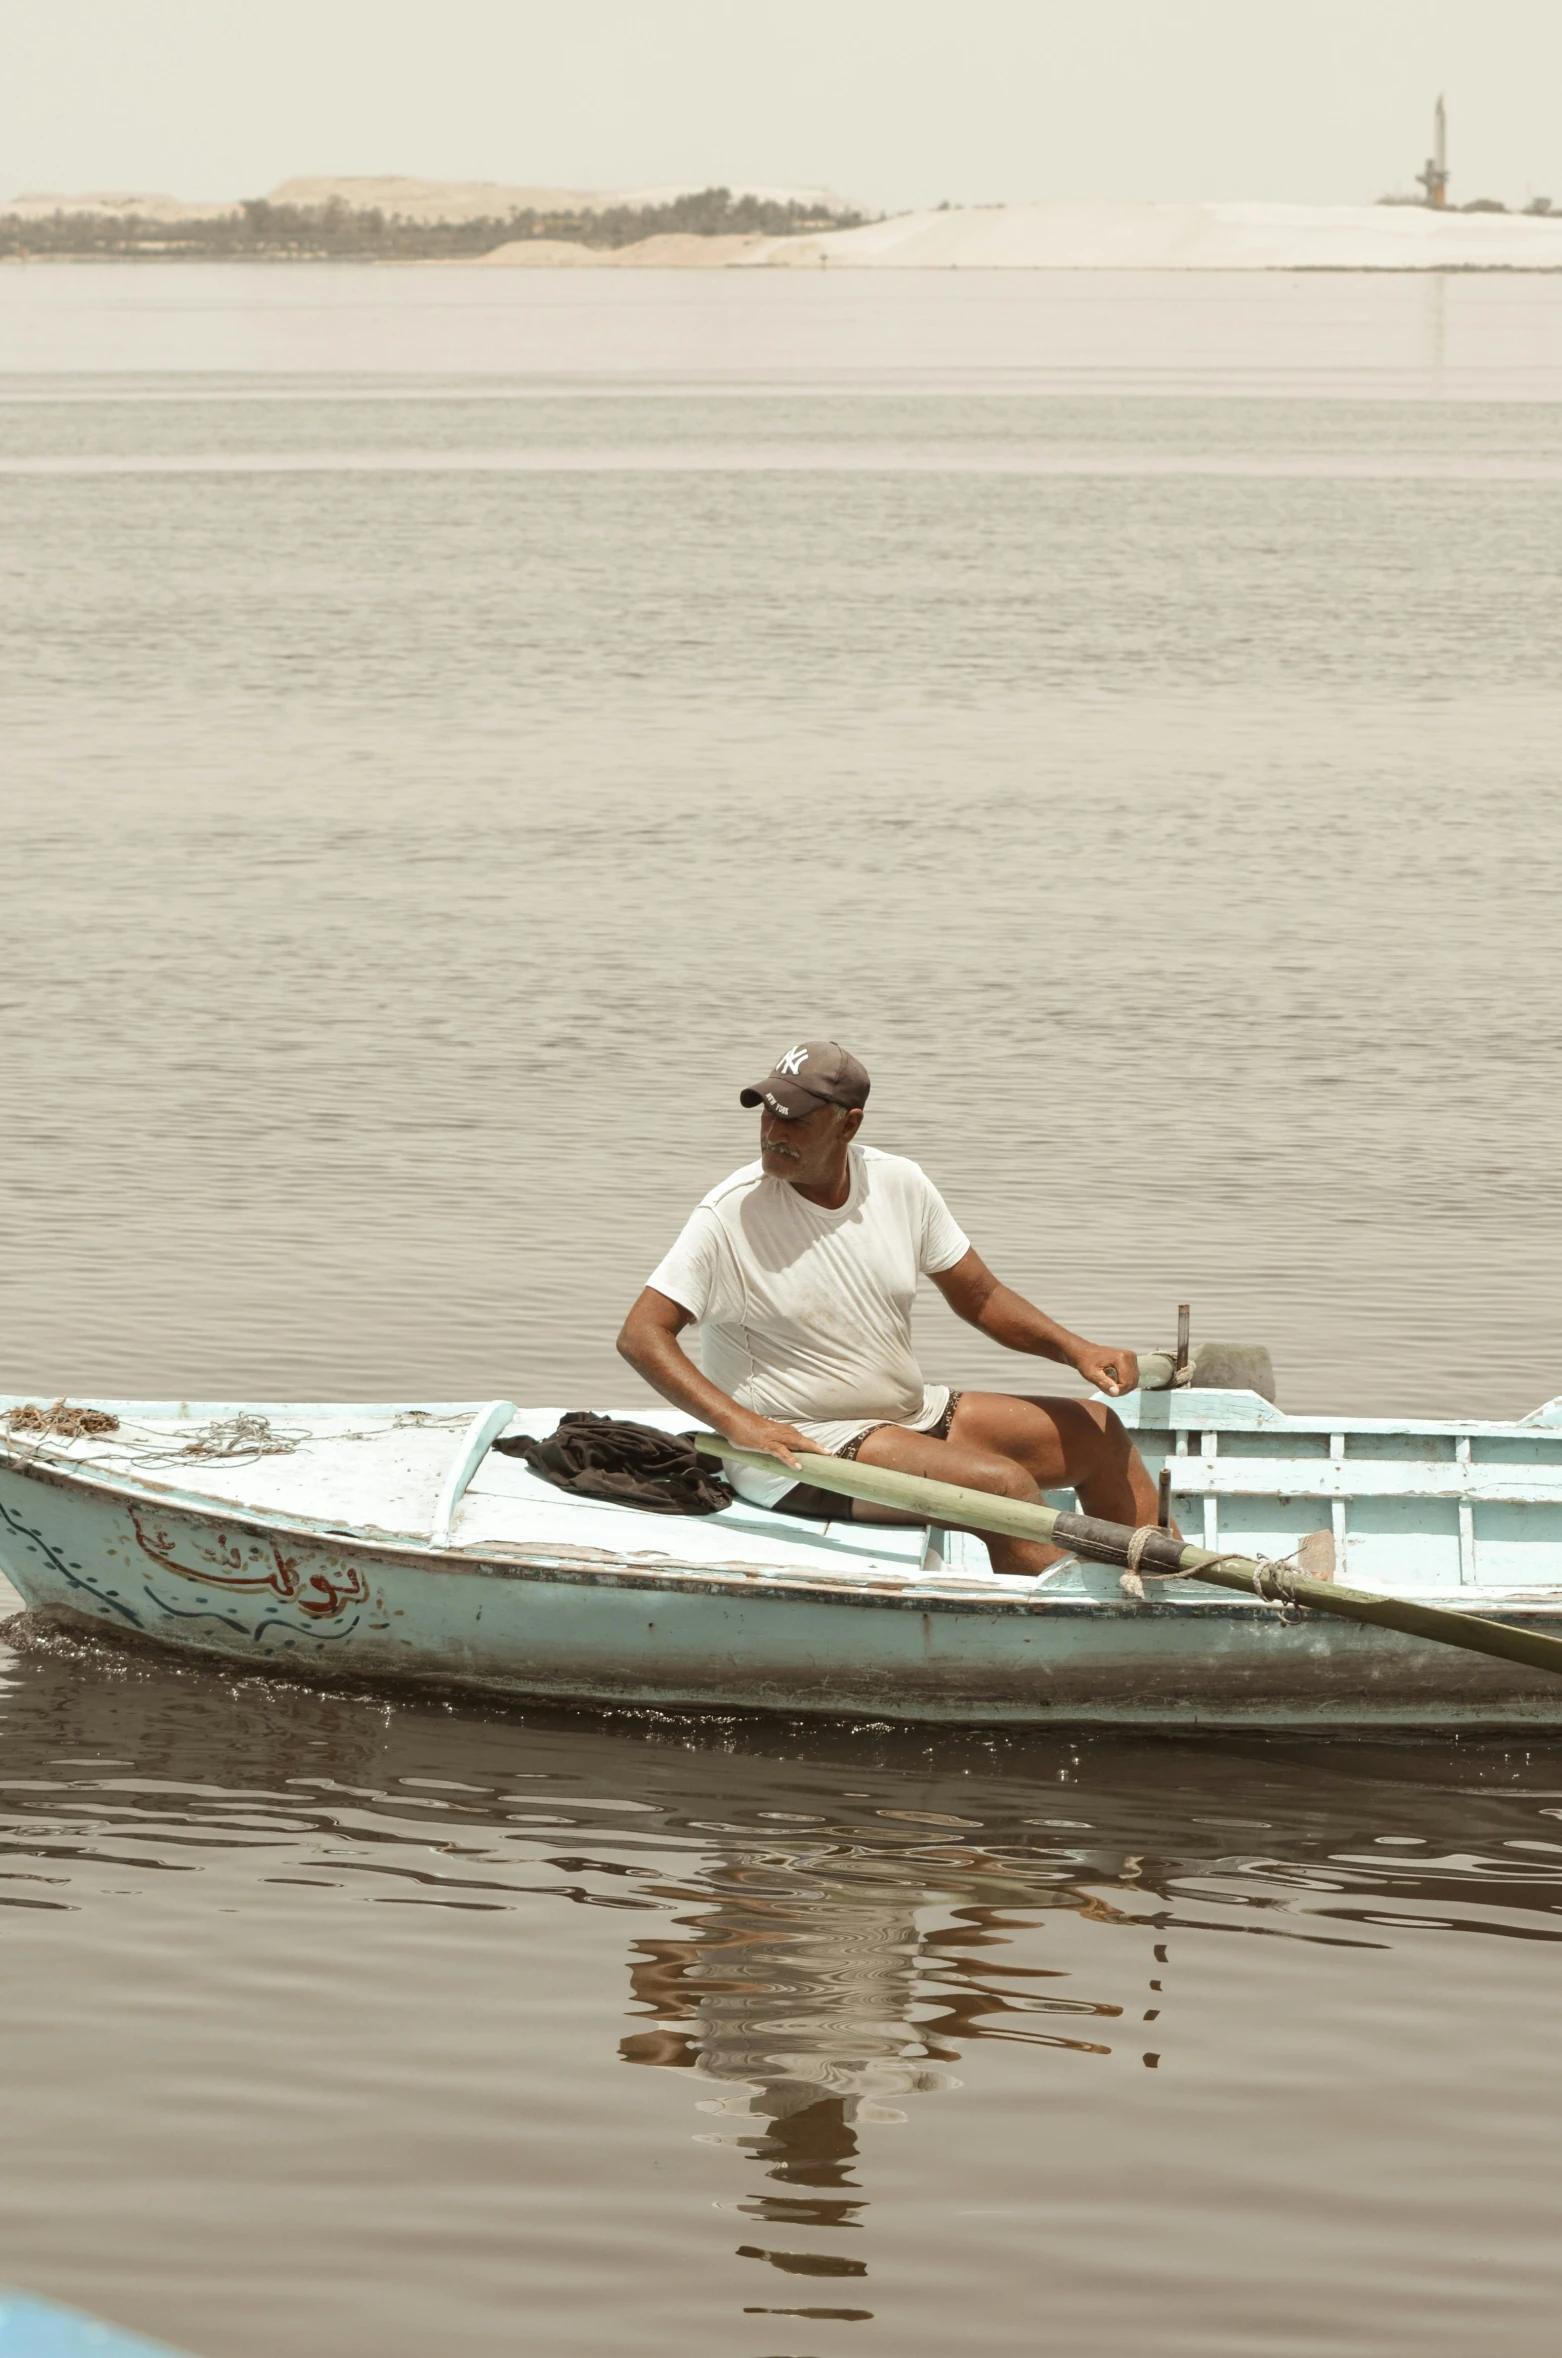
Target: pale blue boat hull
[512, 1590]
[41, 2329]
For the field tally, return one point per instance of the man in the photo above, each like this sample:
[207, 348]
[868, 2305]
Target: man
[800, 1272]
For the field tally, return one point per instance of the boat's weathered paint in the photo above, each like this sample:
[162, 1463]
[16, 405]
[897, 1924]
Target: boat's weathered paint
[536, 1595]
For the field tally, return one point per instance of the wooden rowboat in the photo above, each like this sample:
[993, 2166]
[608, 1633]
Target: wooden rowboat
[389, 1543]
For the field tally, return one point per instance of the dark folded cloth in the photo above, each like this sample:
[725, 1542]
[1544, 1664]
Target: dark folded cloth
[631, 1465]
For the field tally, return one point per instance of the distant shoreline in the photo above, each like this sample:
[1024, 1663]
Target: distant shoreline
[832, 268]
[300, 224]
[713, 229]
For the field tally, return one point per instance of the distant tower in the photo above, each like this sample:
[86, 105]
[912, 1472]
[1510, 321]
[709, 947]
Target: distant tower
[1435, 178]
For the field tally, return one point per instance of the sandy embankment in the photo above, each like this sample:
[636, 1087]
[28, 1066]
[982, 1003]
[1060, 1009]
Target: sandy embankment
[1106, 237]
[1185, 237]
[673, 250]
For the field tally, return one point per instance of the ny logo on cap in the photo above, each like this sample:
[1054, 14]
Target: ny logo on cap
[792, 1062]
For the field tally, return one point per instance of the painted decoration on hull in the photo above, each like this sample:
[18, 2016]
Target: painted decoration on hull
[255, 1565]
[72, 1574]
[325, 1602]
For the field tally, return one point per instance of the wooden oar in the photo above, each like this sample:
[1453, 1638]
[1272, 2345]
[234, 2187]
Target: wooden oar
[1154, 1551]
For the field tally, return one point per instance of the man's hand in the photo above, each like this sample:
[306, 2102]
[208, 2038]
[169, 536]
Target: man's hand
[775, 1440]
[1112, 1372]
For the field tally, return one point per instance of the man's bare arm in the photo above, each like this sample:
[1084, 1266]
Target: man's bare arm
[995, 1309]
[649, 1342]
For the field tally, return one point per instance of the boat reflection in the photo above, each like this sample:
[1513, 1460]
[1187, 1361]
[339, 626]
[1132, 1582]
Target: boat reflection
[809, 2001]
[830, 1954]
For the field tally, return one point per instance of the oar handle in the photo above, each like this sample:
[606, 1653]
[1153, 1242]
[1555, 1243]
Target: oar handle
[1158, 1551]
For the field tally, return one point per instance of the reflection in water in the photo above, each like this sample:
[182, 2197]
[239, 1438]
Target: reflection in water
[800, 1999]
[1435, 355]
[200, 1867]
[800, 1985]
[804, 1993]
[798, 1988]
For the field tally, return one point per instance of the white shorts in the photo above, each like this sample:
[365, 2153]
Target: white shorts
[764, 1489]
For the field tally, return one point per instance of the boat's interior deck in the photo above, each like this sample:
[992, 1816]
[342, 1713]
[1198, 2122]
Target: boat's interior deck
[381, 1470]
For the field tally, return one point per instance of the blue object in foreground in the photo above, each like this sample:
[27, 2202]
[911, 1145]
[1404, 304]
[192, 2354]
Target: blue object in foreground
[38, 2329]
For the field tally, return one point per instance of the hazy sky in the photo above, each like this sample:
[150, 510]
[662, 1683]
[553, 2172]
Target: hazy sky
[893, 101]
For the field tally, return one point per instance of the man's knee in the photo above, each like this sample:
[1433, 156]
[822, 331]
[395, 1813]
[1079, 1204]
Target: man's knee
[1004, 1476]
[1092, 1438]
[1100, 1430]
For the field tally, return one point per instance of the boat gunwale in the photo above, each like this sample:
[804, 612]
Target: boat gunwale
[514, 1560]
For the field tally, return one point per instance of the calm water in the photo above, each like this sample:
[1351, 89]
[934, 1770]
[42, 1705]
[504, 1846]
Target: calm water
[455, 726]
[346, 2029]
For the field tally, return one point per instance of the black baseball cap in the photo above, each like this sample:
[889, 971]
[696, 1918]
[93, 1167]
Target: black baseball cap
[814, 1073]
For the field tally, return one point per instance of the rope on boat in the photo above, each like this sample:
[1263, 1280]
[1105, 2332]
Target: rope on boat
[60, 1422]
[1136, 1547]
[1270, 1580]
[241, 1439]
[248, 1435]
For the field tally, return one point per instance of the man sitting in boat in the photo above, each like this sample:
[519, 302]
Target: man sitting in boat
[800, 1272]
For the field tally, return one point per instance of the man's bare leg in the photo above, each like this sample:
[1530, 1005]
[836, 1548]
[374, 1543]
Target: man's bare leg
[1075, 1444]
[1018, 1448]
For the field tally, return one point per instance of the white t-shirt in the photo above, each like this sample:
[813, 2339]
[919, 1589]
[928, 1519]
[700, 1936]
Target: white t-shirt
[805, 1315]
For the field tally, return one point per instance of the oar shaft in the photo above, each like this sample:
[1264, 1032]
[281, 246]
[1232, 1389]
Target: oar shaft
[1012, 1518]
[934, 1502]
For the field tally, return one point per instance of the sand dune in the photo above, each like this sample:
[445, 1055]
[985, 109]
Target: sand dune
[537, 253]
[1183, 237]
[670, 251]
[1114, 237]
